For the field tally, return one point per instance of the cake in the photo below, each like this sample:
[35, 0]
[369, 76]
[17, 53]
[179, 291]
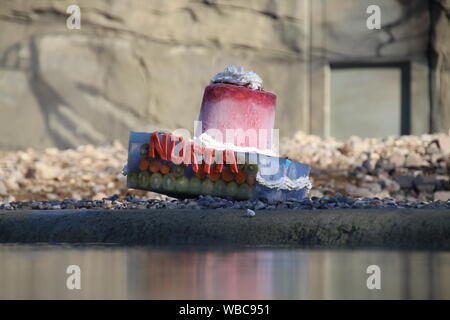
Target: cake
[231, 155]
[235, 103]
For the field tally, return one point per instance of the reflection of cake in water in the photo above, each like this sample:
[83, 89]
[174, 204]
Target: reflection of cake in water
[231, 156]
[236, 110]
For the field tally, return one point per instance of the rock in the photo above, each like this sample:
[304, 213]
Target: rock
[397, 159]
[444, 184]
[359, 146]
[385, 164]
[357, 192]
[215, 205]
[435, 158]
[260, 205]
[444, 144]
[425, 184]
[414, 160]
[45, 171]
[315, 193]
[250, 213]
[405, 181]
[374, 188]
[425, 188]
[391, 185]
[367, 164]
[107, 204]
[7, 206]
[113, 197]
[192, 205]
[441, 195]
[99, 196]
[433, 147]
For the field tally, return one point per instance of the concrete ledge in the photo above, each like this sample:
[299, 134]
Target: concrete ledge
[401, 228]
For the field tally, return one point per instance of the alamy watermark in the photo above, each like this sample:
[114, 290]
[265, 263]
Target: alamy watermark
[73, 281]
[374, 20]
[374, 280]
[239, 140]
[73, 22]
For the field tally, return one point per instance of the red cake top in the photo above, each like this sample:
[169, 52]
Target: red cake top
[221, 91]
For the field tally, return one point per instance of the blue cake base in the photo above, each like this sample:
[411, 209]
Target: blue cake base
[274, 179]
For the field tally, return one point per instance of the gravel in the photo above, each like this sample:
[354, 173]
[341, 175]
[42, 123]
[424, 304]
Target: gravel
[403, 168]
[336, 201]
[407, 169]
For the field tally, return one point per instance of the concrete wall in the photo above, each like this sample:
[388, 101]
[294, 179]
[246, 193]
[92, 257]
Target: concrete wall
[142, 65]
[339, 35]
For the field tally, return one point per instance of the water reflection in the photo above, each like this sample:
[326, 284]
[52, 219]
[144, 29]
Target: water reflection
[39, 272]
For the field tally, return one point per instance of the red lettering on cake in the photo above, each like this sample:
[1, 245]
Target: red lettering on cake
[166, 145]
[208, 159]
[219, 162]
[229, 158]
[156, 144]
[178, 158]
[173, 140]
[188, 152]
[195, 149]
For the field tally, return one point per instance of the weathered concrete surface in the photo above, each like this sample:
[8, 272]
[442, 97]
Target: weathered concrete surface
[413, 229]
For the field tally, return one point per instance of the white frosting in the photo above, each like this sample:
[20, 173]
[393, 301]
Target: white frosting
[210, 142]
[285, 183]
[237, 75]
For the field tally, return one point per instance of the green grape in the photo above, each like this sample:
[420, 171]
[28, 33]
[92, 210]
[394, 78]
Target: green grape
[178, 170]
[207, 187]
[219, 188]
[144, 179]
[194, 185]
[231, 189]
[251, 168]
[169, 182]
[182, 184]
[244, 192]
[144, 150]
[132, 179]
[156, 181]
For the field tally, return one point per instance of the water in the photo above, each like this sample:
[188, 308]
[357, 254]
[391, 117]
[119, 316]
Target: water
[112, 272]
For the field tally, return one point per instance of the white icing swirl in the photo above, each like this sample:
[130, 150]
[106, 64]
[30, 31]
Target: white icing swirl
[237, 75]
[210, 142]
[285, 183]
